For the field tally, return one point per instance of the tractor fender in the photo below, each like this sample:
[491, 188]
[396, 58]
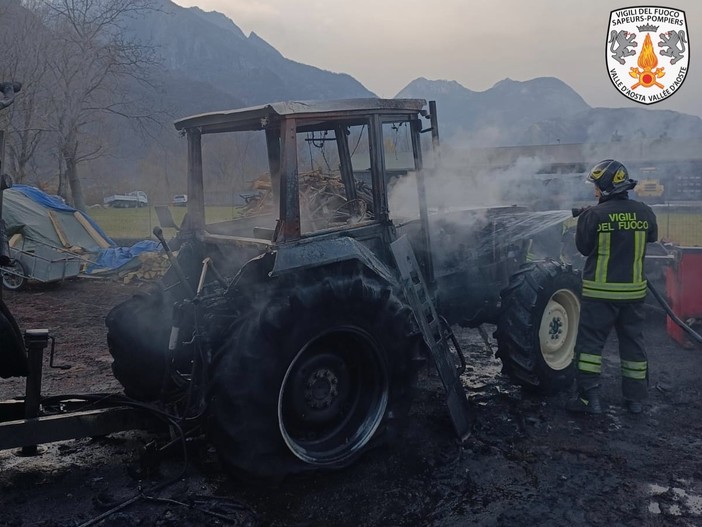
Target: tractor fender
[314, 253]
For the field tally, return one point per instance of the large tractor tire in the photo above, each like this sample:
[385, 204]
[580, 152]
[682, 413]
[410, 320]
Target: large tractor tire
[312, 376]
[138, 332]
[137, 338]
[538, 326]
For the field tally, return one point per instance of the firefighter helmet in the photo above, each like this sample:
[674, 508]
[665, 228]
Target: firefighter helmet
[611, 177]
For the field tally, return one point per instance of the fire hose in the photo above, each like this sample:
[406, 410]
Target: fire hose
[675, 318]
[659, 298]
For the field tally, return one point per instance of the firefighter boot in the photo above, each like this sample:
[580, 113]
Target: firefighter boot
[586, 403]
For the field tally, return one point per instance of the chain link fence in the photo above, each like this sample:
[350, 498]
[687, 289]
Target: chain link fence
[680, 224]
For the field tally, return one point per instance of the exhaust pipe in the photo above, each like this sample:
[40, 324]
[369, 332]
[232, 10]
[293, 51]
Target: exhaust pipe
[158, 232]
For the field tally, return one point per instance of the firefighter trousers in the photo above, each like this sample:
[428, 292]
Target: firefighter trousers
[596, 322]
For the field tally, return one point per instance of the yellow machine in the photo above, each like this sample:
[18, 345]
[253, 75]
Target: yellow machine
[649, 188]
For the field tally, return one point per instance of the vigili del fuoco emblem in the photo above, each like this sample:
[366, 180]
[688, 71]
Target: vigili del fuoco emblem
[648, 52]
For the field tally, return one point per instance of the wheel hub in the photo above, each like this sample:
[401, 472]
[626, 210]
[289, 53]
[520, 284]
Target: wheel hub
[556, 319]
[556, 328]
[559, 327]
[321, 389]
[333, 396]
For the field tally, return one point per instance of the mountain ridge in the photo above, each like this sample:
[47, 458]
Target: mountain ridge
[543, 110]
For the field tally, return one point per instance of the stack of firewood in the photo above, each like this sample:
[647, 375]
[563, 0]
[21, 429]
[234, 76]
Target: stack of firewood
[152, 266]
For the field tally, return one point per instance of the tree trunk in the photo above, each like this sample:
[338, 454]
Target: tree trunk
[61, 191]
[74, 183]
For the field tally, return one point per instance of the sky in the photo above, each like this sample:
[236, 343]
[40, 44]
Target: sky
[385, 44]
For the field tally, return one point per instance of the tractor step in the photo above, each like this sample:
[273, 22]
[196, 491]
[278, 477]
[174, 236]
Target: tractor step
[417, 295]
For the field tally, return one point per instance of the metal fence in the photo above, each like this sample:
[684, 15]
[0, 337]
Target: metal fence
[680, 224]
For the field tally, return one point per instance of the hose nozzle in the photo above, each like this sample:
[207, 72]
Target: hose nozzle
[578, 211]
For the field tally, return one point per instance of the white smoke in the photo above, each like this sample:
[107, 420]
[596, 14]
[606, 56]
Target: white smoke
[460, 181]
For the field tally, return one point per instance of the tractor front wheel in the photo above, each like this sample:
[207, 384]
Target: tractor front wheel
[538, 326]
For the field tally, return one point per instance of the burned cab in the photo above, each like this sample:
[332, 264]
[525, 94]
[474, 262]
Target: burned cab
[325, 178]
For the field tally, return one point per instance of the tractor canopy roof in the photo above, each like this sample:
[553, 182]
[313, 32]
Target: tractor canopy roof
[260, 117]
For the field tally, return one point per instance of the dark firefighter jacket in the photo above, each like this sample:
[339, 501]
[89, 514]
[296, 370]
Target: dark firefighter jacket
[612, 236]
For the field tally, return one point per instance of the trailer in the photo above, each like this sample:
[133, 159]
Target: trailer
[41, 263]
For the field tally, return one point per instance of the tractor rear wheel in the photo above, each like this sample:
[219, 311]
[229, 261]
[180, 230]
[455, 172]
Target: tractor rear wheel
[313, 376]
[538, 326]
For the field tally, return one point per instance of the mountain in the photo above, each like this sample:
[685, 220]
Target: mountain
[206, 63]
[540, 111]
[210, 48]
[501, 114]
[606, 124]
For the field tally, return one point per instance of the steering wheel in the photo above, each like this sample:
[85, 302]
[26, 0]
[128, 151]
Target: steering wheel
[352, 212]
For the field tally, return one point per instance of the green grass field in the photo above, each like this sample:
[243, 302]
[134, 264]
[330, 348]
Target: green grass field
[681, 228]
[138, 224]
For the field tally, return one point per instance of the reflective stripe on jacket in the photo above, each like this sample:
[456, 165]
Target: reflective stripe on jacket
[613, 236]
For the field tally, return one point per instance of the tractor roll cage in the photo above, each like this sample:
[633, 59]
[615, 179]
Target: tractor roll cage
[281, 123]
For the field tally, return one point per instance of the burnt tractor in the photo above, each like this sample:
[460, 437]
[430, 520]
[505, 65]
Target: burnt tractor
[293, 333]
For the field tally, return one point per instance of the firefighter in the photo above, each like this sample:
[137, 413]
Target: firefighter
[612, 235]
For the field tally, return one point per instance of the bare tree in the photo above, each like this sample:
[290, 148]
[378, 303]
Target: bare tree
[232, 163]
[24, 44]
[160, 173]
[91, 65]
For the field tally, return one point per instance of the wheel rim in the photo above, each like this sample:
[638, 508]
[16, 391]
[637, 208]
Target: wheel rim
[14, 281]
[559, 329]
[333, 396]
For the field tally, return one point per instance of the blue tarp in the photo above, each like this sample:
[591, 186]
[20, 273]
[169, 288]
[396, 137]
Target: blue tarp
[111, 258]
[55, 203]
[115, 257]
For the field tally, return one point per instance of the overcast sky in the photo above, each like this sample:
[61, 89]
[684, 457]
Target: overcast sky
[385, 44]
